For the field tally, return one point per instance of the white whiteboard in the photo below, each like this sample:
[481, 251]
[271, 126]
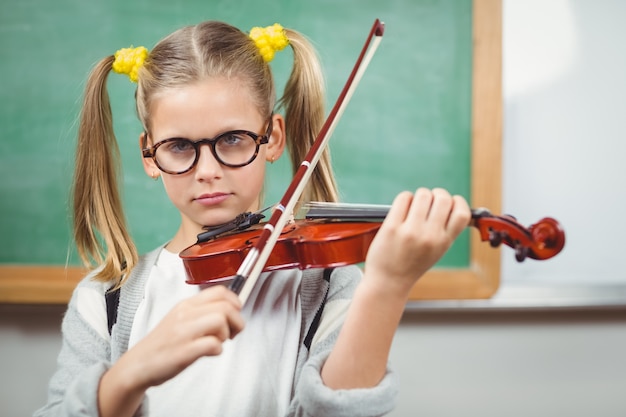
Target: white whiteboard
[564, 139]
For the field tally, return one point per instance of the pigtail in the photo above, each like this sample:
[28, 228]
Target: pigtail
[100, 230]
[303, 101]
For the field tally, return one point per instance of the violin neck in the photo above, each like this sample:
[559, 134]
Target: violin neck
[344, 211]
[362, 212]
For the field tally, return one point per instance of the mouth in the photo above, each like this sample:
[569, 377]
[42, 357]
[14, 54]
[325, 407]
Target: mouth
[212, 199]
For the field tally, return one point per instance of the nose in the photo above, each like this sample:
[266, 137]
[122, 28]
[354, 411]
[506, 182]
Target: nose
[208, 167]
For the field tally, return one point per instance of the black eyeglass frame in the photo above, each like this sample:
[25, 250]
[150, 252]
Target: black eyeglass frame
[258, 140]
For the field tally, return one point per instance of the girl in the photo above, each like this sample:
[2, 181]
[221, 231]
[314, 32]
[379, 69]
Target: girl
[179, 349]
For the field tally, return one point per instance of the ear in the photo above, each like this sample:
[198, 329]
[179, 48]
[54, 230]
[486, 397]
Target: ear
[278, 138]
[148, 164]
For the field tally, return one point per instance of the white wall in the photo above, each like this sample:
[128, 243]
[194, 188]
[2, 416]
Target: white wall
[564, 75]
[511, 364]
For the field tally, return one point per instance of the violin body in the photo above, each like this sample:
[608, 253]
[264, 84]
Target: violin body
[302, 244]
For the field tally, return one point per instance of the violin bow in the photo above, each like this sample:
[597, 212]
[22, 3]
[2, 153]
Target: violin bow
[254, 262]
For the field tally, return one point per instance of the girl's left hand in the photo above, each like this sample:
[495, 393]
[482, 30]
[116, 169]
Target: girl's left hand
[418, 229]
[416, 233]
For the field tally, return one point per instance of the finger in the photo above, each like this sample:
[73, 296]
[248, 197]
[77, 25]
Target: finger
[421, 206]
[236, 323]
[217, 293]
[219, 318]
[399, 208]
[205, 346]
[460, 216]
[441, 207]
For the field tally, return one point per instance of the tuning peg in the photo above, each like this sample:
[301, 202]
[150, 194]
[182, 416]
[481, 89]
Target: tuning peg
[495, 238]
[521, 252]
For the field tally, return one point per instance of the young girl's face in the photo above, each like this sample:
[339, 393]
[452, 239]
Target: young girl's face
[211, 193]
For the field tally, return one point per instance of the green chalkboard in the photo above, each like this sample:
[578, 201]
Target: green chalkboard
[408, 124]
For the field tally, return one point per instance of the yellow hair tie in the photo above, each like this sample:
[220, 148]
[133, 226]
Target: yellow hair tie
[269, 40]
[129, 60]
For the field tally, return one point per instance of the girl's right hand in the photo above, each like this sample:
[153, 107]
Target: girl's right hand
[195, 327]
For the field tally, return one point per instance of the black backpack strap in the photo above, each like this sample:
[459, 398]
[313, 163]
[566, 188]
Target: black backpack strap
[318, 315]
[112, 298]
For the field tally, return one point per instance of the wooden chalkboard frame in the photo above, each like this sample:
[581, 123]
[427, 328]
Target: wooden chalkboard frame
[481, 279]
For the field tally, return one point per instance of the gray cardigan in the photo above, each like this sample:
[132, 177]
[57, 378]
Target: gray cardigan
[85, 355]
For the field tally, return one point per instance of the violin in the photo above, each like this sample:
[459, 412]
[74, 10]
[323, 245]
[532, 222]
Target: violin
[333, 235]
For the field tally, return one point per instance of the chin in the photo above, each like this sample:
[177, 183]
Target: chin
[216, 219]
[214, 216]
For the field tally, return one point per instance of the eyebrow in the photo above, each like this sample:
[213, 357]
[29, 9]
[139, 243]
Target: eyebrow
[214, 137]
[269, 119]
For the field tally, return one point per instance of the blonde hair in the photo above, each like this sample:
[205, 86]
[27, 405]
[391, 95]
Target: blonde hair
[191, 54]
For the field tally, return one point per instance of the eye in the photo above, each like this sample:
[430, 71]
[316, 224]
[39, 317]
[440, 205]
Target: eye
[233, 139]
[178, 146]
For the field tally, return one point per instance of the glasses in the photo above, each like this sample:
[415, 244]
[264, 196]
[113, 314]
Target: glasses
[235, 149]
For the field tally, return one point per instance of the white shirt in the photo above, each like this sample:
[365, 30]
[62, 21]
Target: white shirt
[254, 373]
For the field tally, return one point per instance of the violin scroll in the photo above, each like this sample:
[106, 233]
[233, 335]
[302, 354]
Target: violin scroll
[540, 241]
